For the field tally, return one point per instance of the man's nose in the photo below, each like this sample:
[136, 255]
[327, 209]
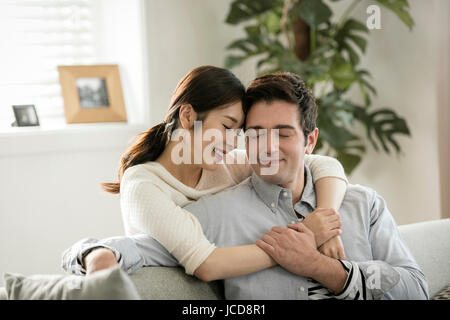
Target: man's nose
[272, 143]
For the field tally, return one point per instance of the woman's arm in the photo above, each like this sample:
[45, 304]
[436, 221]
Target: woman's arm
[230, 262]
[331, 185]
[329, 179]
[330, 192]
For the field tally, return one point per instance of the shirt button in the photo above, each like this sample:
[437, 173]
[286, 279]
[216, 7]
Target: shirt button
[302, 289]
[285, 194]
[292, 222]
[272, 205]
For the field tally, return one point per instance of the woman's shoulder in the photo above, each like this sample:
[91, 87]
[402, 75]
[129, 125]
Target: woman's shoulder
[146, 172]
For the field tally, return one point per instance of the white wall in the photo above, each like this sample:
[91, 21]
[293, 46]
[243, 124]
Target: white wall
[443, 90]
[50, 195]
[183, 35]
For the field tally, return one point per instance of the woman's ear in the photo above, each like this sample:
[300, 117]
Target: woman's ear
[312, 140]
[187, 116]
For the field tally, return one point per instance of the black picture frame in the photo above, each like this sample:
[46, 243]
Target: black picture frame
[26, 116]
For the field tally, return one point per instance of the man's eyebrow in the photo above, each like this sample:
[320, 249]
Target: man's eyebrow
[284, 126]
[231, 118]
[280, 126]
[255, 128]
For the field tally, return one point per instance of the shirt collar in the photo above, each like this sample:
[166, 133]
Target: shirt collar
[270, 193]
[309, 192]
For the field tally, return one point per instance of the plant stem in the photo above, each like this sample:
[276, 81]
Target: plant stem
[312, 39]
[344, 16]
[347, 12]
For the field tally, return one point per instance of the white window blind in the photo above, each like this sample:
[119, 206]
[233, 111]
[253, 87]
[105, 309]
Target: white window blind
[35, 37]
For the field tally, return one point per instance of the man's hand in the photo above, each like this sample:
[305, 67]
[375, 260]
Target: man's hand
[324, 223]
[333, 248]
[99, 259]
[295, 251]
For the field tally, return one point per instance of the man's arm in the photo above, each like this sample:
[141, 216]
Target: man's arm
[132, 253]
[393, 272]
[296, 251]
[391, 256]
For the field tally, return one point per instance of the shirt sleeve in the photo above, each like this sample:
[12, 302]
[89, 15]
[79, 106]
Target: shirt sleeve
[72, 258]
[393, 273]
[148, 209]
[132, 253]
[324, 166]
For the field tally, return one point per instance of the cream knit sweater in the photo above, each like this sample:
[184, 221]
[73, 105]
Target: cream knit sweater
[152, 202]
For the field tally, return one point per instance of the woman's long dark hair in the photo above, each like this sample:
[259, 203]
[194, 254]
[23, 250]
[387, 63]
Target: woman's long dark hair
[205, 88]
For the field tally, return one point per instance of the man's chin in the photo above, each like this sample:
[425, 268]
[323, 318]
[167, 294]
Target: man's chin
[268, 175]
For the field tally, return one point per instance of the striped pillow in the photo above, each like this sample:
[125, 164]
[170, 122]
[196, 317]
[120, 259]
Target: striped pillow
[443, 295]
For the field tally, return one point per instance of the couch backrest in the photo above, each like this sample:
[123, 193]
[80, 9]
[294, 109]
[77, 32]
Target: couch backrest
[163, 283]
[429, 242]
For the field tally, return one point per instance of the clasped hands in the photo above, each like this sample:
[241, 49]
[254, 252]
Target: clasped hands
[299, 247]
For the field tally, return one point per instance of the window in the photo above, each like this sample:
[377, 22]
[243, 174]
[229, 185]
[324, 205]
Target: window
[38, 35]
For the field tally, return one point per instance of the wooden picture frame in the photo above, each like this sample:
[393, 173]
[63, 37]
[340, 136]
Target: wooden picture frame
[92, 94]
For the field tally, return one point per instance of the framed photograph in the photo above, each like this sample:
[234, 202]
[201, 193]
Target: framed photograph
[26, 116]
[92, 94]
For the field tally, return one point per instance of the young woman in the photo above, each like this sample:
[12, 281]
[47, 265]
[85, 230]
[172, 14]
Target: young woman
[153, 188]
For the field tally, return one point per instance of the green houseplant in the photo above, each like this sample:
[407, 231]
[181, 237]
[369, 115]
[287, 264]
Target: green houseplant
[299, 36]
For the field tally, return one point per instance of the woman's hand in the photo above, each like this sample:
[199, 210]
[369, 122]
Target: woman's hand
[324, 223]
[99, 259]
[333, 248]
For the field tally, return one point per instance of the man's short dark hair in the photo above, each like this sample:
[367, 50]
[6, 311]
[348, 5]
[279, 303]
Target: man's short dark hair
[285, 86]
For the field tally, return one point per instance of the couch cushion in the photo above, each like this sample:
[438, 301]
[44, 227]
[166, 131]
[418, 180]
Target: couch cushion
[109, 284]
[429, 242]
[3, 295]
[173, 283]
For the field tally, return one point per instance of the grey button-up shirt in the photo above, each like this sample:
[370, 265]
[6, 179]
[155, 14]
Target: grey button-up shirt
[381, 265]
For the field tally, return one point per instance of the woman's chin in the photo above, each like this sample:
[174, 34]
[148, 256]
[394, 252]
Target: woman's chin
[210, 165]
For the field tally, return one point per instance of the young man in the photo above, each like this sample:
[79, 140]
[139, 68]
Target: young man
[281, 115]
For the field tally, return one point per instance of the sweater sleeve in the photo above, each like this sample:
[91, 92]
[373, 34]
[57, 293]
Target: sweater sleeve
[323, 166]
[150, 210]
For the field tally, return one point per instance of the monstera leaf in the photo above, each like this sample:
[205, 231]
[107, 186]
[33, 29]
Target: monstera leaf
[384, 124]
[400, 8]
[349, 36]
[314, 12]
[243, 10]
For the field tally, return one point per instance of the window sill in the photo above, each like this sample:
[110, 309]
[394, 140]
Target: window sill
[17, 141]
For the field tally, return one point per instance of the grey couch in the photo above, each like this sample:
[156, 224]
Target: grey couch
[428, 241]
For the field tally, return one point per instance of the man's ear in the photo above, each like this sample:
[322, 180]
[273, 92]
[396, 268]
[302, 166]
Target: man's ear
[187, 116]
[312, 140]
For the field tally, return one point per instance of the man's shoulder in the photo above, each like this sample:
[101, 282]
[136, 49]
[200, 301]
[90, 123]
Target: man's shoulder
[360, 194]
